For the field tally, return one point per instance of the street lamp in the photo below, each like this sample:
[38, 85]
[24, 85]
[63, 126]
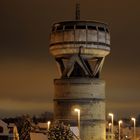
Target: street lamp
[48, 124]
[78, 111]
[112, 118]
[120, 122]
[134, 120]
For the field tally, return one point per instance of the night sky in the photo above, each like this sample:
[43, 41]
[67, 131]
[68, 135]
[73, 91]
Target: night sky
[27, 69]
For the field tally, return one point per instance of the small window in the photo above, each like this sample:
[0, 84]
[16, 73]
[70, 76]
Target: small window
[59, 27]
[80, 27]
[53, 29]
[92, 27]
[107, 31]
[1, 129]
[101, 29]
[69, 27]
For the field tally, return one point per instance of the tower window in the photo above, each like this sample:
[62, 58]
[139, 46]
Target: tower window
[60, 28]
[53, 29]
[107, 31]
[80, 27]
[69, 27]
[92, 27]
[101, 29]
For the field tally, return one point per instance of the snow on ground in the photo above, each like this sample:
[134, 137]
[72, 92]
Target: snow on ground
[38, 136]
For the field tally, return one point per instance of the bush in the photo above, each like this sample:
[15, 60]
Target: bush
[59, 131]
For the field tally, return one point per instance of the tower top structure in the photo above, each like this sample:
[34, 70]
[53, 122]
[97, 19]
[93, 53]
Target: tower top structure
[83, 44]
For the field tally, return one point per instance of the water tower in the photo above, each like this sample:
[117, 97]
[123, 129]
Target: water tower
[80, 48]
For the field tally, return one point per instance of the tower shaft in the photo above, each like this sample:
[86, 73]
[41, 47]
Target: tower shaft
[88, 95]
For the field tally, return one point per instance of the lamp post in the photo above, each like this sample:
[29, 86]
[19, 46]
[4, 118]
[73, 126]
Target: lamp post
[134, 133]
[120, 122]
[112, 120]
[48, 124]
[78, 111]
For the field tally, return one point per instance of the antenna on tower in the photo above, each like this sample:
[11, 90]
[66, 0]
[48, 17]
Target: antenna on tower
[77, 11]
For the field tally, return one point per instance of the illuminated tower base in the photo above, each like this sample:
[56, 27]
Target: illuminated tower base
[88, 95]
[79, 48]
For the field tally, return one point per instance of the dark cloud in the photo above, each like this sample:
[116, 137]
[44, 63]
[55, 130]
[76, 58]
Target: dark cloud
[27, 69]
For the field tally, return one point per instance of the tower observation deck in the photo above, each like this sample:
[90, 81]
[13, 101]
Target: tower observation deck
[86, 41]
[79, 48]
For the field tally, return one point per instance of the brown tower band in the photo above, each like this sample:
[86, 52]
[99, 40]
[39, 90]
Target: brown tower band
[79, 48]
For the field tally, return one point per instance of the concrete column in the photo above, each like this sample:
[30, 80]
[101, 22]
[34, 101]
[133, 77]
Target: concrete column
[87, 94]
